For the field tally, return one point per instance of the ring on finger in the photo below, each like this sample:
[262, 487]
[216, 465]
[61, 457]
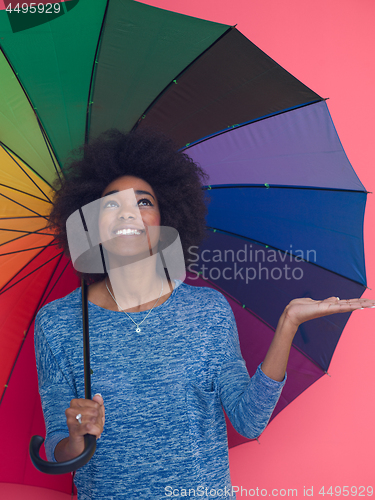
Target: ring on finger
[79, 418]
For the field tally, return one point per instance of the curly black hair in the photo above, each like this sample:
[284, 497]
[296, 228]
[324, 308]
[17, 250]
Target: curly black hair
[176, 180]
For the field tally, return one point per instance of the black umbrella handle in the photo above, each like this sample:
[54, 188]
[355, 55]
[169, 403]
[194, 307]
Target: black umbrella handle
[90, 440]
[61, 467]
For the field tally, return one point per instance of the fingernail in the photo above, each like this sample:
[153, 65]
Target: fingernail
[98, 394]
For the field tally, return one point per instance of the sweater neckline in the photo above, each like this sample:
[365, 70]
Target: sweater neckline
[135, 314]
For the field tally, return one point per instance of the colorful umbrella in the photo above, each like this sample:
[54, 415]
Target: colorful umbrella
[191, 79]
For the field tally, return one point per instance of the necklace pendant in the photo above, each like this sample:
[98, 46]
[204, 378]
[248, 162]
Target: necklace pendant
[138, 329]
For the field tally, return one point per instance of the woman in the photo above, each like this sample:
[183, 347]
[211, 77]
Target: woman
[165, 356]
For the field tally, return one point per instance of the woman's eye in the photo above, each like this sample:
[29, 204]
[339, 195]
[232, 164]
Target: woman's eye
[110, 204]
[144, 202]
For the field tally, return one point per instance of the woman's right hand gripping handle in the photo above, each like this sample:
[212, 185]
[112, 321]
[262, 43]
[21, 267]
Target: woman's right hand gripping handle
[92, 422]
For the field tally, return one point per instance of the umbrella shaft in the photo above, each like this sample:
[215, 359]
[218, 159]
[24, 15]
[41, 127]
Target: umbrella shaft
[86, 341]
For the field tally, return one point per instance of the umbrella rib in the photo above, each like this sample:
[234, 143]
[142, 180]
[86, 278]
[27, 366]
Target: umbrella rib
[179, 75]
[24, 249]
[49, 293]
[255, 120]
[36, 269]
[24, 231]
[31, 321]
[21, 218]
[23, 206]
[28, 166]
[214, 230]
[310, 359]
[26, 193]
[23, 170]
[280, 186]
[21, 236]
[48, 145]
[91, 86]
[2, 290]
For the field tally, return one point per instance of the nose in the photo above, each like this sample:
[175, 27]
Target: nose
[128, 211]
[126, 215]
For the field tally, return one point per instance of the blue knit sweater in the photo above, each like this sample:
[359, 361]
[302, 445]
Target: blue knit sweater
[163, 389]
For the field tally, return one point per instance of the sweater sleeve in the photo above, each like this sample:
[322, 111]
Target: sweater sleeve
[248, 402]
[55, 391]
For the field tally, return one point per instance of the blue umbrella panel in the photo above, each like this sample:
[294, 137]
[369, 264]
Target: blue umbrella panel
[285, 220]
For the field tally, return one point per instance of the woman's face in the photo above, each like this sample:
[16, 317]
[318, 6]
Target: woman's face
[129, 217]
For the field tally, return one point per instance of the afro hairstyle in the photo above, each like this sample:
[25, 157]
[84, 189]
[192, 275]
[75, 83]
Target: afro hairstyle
[177, 181]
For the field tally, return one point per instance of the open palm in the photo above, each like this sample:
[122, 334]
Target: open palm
[300, 310]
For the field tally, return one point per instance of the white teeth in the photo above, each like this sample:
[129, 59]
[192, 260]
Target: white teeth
[128, 231]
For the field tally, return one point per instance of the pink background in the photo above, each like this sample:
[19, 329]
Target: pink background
[325, 437]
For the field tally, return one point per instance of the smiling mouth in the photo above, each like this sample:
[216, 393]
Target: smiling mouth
[128, 232]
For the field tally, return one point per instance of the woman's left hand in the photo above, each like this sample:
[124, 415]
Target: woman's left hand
[300, 310]
[296, 312]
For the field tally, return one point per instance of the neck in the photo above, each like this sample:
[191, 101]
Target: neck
[135, 285]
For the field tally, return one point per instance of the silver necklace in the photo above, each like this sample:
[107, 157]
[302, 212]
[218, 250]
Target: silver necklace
[136, 324]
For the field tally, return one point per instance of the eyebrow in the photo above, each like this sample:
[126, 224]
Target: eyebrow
[138, 191]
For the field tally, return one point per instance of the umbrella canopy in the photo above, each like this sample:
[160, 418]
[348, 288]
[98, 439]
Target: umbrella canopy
[268, 135]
